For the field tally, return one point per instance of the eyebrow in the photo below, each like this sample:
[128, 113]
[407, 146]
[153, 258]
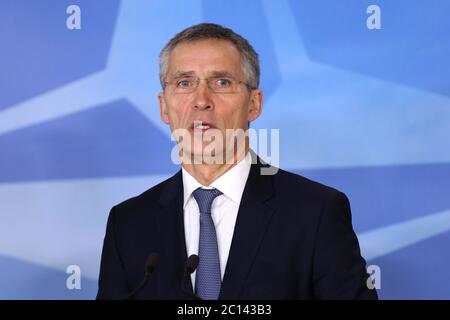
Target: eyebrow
[180, 74]
[191, 73]
[221, 73]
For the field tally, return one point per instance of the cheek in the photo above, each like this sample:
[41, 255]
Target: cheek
[178, 113]
[235, 111]
[240, 114]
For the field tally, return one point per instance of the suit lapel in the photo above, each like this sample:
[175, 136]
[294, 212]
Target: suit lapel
[171, 227]
[252, 221]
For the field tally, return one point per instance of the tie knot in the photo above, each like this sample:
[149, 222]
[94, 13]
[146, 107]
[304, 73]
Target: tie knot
[205, 198]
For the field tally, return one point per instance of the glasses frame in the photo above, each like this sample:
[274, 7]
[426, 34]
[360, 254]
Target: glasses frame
[197, 83]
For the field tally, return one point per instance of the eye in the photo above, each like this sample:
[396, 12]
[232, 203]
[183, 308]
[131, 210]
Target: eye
[184, 83]
[223, 82]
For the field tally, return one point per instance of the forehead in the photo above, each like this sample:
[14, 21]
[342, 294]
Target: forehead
[205, 57]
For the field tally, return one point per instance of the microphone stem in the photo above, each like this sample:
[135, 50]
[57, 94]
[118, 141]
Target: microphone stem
[144, 281]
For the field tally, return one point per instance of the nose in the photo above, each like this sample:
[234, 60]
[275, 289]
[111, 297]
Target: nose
[203, 97]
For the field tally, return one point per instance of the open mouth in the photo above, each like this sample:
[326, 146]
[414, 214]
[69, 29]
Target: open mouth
[201, 125]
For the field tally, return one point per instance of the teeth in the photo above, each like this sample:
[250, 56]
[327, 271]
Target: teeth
[201, 126]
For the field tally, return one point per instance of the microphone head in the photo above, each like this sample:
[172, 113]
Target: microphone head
[151, 262]
[192, 263]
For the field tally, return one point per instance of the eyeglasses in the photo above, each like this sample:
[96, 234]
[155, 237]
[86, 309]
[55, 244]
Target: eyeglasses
[218, 84]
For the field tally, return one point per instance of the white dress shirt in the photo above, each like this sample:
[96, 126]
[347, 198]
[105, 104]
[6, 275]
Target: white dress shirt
[224, 209]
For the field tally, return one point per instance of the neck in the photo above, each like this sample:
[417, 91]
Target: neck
[206, 173]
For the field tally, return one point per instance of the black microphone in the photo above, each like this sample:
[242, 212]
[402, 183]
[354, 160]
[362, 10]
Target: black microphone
[150, 266]
[189, 268]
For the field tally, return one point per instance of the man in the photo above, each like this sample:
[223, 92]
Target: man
[258, 236]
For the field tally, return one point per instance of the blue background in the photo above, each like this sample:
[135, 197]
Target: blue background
[365, 111]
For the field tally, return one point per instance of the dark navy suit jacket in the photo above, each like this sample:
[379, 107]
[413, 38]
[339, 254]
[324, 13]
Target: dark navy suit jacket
[293, 239]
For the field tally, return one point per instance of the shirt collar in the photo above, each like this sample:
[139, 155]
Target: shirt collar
[231, 183]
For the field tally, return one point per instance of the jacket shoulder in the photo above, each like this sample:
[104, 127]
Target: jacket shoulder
[296, 183]
[149, 198]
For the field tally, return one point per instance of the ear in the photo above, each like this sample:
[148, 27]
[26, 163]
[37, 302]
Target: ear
[163, 112]
[255, 106]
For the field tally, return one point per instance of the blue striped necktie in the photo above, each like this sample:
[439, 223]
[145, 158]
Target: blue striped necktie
[208, 280]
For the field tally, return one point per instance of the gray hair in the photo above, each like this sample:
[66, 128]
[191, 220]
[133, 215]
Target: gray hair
[249, 57]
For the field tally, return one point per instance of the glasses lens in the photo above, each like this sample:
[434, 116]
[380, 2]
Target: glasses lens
[223, 84]
[215, 84]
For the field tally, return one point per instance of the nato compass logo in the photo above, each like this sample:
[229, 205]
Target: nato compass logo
[366, 111]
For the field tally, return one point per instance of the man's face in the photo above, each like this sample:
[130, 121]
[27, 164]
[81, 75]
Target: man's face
[222, 111]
